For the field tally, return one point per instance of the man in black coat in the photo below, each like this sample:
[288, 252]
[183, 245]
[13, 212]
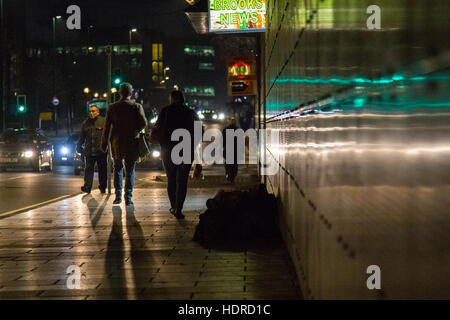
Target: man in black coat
[231, 168]
[173, 117]
[91, 137]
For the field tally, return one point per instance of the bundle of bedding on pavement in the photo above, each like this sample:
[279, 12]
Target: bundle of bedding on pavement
[238, 216]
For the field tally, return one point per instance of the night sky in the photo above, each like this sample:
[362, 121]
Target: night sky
[162, 15]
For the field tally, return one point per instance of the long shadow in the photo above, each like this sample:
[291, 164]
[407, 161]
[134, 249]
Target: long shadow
[141, 259]
[114, 259]
[92, 209]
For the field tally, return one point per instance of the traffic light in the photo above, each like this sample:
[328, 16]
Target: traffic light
[21, 103]
[117, 76]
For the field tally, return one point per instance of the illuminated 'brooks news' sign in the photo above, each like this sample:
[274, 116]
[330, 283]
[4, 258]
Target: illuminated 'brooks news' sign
[237, 16]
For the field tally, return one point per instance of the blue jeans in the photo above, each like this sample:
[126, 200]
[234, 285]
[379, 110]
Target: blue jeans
[129, 177]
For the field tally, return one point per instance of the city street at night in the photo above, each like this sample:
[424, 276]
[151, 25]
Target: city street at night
[251, 155]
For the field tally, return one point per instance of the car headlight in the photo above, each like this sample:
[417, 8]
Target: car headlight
[64, 150]
[153, 120]
[215, 117]
[221, 116]
[28, 154]
[200, 115]
[156, 153]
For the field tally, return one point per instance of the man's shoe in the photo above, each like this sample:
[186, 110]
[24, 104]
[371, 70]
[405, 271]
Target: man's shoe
[179, 215]
[172, 211]
[128, 202]
[117, 200]
[84, 189]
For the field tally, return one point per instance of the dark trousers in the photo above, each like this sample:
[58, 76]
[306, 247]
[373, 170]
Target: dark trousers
[231, 171]
[129, 177]
[89, 163]
[177, 180]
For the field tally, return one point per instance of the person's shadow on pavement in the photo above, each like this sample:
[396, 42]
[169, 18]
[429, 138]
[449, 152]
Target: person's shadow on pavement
[114, 260]
[141, 260]
[96, 211]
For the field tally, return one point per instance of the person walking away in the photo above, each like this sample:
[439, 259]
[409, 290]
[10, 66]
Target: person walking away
[231, 169]
[91, 138]
[172, 117]
[125, 119]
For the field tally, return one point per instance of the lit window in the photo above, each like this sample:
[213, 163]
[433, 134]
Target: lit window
[157, 51]
[157, 62]
[203, 51]
[200, 91]
[206, 66]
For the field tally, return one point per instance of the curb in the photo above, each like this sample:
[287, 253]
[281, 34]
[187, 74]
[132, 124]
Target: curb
[34, 206]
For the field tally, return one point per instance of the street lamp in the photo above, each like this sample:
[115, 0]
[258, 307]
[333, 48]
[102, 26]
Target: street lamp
[86, 90]
[54, 18]
[129, 38]
[96, 95]
[129, 48]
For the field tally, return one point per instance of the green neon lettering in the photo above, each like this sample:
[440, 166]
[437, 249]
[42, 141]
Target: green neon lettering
[242, 4]
[254, 17]
[234, 19]
[224, 18]
[251, 4]
[259, 4]
[233, 4]
[216, 4]
[225, 5]
[244, 17]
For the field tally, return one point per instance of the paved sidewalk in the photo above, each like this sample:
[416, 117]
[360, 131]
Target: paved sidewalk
[126, 253]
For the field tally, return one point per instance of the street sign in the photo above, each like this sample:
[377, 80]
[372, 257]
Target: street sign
[55, 101]
[238, 86]
[241, 76]
[45, 116]
[242, 88]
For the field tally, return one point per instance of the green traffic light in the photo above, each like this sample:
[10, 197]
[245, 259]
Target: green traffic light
[21, 109]
[117, 81]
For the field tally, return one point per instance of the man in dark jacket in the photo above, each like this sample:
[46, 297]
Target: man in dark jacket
[125, 119]
[176, 116]
[90, 137]
[231, 168]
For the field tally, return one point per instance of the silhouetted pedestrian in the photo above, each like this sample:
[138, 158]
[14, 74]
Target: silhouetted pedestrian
[125, 119]
[231, 167]
[172, 117]
[91, 138]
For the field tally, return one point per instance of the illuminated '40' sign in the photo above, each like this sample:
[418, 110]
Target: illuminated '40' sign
[239, 69]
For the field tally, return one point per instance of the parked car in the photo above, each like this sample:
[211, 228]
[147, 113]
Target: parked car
[67, 150]
[25, 149]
